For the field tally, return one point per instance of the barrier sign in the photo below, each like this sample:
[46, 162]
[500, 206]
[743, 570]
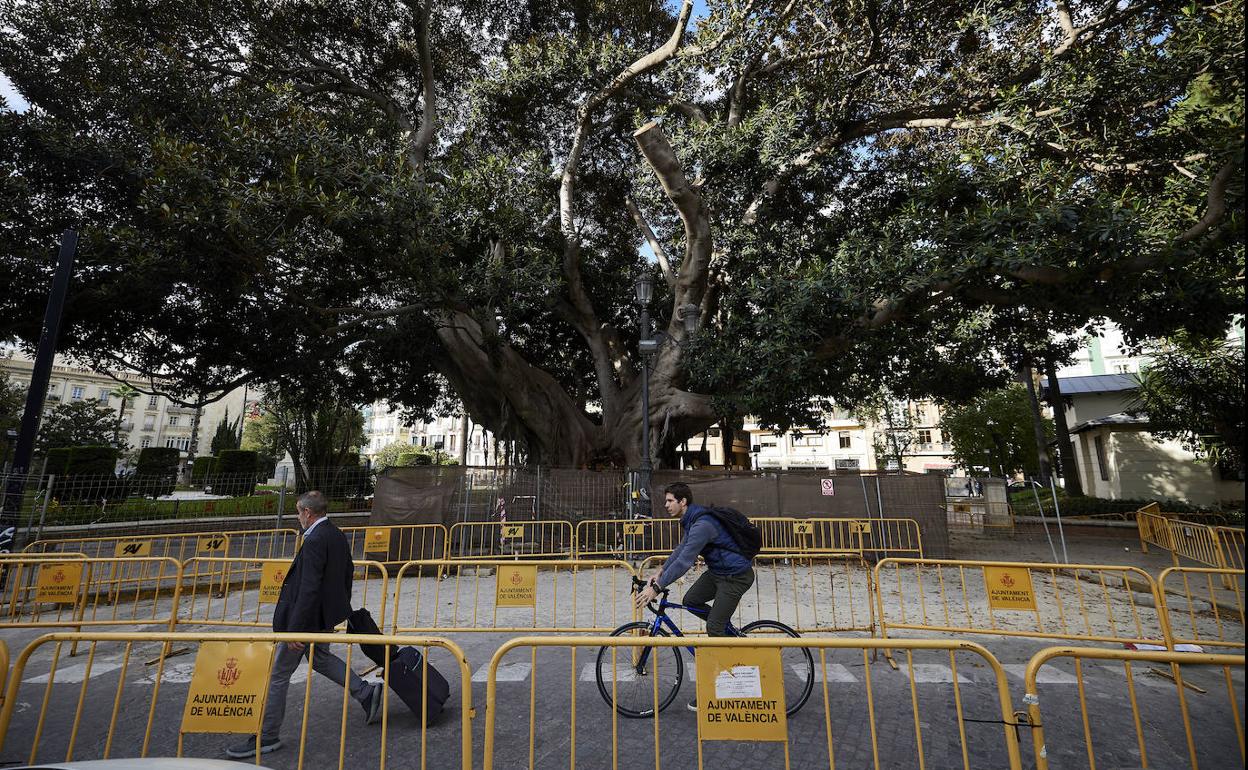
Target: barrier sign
[516, 586]
[804, 528]
[961, 507]
[207, 546]
[228, 688]
[58, 583]
[634, 529]
[512, 531]
[860, 527]
[132, 548]
[828, 487]
[377, 539]
[740, 694]
[271, 576]
[1009, 588]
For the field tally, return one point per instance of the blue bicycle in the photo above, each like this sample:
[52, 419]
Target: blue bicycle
[643, 680]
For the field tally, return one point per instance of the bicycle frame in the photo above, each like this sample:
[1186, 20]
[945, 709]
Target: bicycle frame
[661, 620]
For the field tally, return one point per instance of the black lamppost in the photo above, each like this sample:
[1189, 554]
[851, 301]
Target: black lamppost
[649, 345]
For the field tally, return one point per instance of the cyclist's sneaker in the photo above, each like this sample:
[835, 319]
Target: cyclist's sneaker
[692, 705]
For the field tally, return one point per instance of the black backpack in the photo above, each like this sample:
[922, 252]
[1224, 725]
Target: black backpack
[748, 538]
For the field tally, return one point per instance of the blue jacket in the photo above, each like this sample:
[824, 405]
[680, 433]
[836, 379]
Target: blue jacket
[704, 536]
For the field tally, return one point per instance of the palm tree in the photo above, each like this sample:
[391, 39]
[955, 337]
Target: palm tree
[127, 394]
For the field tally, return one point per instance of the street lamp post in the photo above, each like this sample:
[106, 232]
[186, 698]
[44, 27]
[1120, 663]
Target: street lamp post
[648, 345]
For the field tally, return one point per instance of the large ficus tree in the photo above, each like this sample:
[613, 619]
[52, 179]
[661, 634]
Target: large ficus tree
[410, 197]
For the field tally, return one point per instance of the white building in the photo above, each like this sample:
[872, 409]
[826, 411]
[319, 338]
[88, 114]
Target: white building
[1107, 353]
[149, 420]
[384, 426]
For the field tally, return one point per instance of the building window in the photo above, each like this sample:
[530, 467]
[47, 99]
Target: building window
[183, 443]
[768, 442]
[424, 441]
[846, 465]
[145, 442]
[808, 439]
[149, 423]
[105, 394]
[845, 439]
[152, 401]
[1123, 368]
[1101, 463]
[925, 437]
[77, 392]
[173, 419]
[452, 444]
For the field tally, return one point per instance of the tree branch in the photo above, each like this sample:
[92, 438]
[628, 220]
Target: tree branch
[655, 246]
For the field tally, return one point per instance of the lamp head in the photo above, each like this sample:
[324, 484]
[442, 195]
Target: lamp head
[643, 288]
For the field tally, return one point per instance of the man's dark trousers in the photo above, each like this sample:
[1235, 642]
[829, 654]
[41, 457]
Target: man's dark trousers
[315, 597]
[725, 591]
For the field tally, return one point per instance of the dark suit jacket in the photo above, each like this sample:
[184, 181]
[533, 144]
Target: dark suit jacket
[316, 594]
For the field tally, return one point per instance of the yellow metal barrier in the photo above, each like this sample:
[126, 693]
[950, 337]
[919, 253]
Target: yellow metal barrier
[1197, 612]
[807, 592]
[243, 592]
[500, 595]
[1200, 543]
[598, 736]
[244, 544]
[4, 669]
[1207, 735]
[77, 592]
[520, 539]
[397, 543]
[55, 726]
[788, 535]
[1093, 602]
[890, 536]
[979, 514]
[1231, 543]
[625, 538]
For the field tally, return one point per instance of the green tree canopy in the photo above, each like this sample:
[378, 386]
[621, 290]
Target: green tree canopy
[414, 198]
[994, 430]
[1193, 391]
[319, 428]
[226, 436]
[402, 455]
[77, 423]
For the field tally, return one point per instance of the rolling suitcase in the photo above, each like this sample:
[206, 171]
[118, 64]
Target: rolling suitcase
[410, 676]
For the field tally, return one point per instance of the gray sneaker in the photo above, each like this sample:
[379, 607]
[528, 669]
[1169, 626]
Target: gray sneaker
[373, 706]
[246, 748]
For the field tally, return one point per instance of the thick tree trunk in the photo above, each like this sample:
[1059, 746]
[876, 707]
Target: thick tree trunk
[1037, 425]
[1066, 449]
[518, 402]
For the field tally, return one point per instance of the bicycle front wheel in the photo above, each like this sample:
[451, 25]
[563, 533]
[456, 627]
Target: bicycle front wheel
[639, 680]
[796, 662]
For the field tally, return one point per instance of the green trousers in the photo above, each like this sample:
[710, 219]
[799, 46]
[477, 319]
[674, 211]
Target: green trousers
[724, 591]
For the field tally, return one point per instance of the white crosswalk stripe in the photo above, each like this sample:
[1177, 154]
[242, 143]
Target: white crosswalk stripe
[836, 673]
[932, 673]
[1043, 676]
[74, 673]
[507, 672]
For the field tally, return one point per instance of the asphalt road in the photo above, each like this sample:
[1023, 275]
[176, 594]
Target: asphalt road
[537, 692]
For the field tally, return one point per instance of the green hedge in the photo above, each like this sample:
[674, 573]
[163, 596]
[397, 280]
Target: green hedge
[93, 461]
[235, 473]
[157, 471]
[202, 468]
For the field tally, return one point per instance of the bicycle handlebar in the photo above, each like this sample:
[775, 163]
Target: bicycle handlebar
[639, 584]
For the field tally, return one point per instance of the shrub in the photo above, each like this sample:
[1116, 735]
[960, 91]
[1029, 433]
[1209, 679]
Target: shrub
[202, 468]
[235, 473]
[157, 471]
[58, 461]
[93, 461]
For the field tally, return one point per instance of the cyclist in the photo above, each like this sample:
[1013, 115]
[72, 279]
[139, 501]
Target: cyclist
[729, 572]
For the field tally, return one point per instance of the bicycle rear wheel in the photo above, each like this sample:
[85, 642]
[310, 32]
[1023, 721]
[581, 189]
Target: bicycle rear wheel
[796, 662]
[639, 680]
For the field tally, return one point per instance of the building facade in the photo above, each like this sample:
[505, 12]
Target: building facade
[149, 420]
[384, 426]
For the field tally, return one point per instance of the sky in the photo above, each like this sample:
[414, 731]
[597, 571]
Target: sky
[10, 94]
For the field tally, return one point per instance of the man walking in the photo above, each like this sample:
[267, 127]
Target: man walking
[729, 571]
[315, 597]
